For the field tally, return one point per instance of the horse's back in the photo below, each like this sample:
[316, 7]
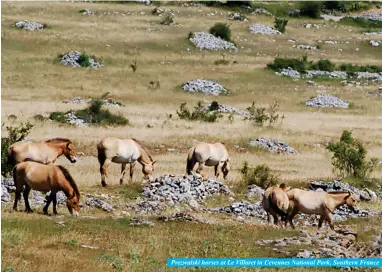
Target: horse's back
[38, 176]
[213, 152]
[22, 151]
[119, 150]
[280, 198]
[308, 201]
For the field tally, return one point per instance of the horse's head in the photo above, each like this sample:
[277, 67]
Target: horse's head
[351, 200]
[226, 167]
[70, 153]
[73, 205]
[148, 168]
[284, 187]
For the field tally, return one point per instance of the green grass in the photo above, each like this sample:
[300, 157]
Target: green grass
[361, 22]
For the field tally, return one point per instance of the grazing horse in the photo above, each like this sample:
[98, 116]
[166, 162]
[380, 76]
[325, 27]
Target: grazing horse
[210, 155]
[45, 152]
[45, 178]
[123, 151]
[275, 201]
[321, 203]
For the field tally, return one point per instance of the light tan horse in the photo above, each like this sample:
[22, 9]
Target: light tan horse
[321, 203]
[45, 178]
[275, 201]
[45, 152]
[206, 154]
[123, 151]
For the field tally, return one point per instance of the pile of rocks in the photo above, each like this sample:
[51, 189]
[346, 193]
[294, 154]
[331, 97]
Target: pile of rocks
[87, 12]
[375, 43]
[237, 16]
[373, 33]
[261, 11]
[141, 222]
[263, 29]
[208, 87]
[228, 109]
[243, 208]
[73, 119]
[72, 59]
[351, 83]
[272, 145]
[181, 217]
[375, 94]
[374, 77]
[147, 206]
[255, 191]
[106, 102]
[306, 47]
[99, 203]
[371, 15]
[204, 40]
[182, 189]
[28, 25]
[339, 186]
[327, 101]
[311, 26]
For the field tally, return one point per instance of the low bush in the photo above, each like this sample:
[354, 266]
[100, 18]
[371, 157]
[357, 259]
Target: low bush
[280, 24]
[300, 65]
[260, 115]
[361, 22]
[261, 175]
[167, 19]
[221, 30]
[310, 9]
[349, 157]
[200, 113]
[15, 134]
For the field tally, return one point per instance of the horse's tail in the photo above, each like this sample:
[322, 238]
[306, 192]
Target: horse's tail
[101, 156]
[190, 161]
[274, 206]
[11, 157]
[14, 176]
[69, 177]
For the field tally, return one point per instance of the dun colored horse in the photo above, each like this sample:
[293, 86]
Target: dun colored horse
[123, 151]
[321, 203]
[210, 155]
[45, 178]
[45, 152]
[275, 201]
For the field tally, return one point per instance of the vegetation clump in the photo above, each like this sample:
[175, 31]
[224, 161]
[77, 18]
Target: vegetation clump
[260, 115]
[261, 175]
[200, 113]
[280, 24]
[221, 30]
[167, 19]
[310, 9]
[349, 157]
[361, 22]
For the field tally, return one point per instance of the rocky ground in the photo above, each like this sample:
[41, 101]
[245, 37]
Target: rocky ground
[204, 86]
[72, 59]
[29, 25]
[327, 101]
[204, 40]
[272, 145]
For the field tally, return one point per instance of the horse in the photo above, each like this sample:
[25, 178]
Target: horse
[45, 178]
[275, 201]
[123, 151]
[321, 203]
[210, 155]
[45, 152]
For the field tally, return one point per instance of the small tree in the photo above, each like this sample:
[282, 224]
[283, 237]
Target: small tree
[222, 31]
[280, 24]
[311, 9]
[261, 175]
[15, 134]
[349, 157]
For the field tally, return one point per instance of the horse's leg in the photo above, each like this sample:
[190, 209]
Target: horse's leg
[103, 170]
[321, 220]
[123, 171]
[54, 198]
[216, 170]
[200, 168]
[26, 192]
[329, 217]
[17, 198]
[292, 215]
[275, 216]
[48, 200]
[132, 165]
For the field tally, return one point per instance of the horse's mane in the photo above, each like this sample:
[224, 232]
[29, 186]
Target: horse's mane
[55, 140]
[144, 148]
[70, 179]
[340, 192]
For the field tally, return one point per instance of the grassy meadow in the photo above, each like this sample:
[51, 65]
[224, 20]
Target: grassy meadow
[33, 82]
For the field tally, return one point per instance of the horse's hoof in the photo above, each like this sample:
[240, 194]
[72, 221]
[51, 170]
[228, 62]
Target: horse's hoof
[104, 184]
[29, 211]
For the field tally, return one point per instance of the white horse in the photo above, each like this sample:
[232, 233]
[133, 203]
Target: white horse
[123, 151]
[206, 154]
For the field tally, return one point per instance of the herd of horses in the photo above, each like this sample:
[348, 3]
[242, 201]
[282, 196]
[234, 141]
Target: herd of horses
[35, 169]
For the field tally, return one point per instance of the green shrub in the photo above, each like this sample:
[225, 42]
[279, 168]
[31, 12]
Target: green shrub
[15, 134]
[300, 65]
[58, 116]
[201, 113]
[167, 19]
[323, 65]
[222, 31]
[280, 24]
[310, 9]
[84, 60]
[361, 22]
[190, 35]
[349, 157]
[261, 175]
[221, 62]
[259, 115]
[116, 262]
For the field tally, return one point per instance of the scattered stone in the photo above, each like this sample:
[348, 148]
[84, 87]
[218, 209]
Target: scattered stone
[327, 101]
[306, 47]
[237, 16]
[106, 102]
[99, 203]
[262, 11]
[311, 26]
[140, 222]
[73, 119]
[377, 93]
[272, 145]
[255, 191]
[312, 83]
[327, 17]
[87, 12]
[72, 59]
[371, 15]
[263, 29]
[204, 40]
[373, 33]
[204, 86]
[147, 207]
[375, 43]
[244, 209]
[181, 217]
[229, 109]
[28, 25]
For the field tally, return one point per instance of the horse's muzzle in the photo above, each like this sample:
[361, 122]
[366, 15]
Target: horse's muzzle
[75, 213]
[74, 159]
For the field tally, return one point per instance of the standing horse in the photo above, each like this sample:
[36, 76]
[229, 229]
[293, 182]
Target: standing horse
[210, 155]
[123, 151]
[45, 178]
[45, 152]
[321, 203]
[275, 201]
